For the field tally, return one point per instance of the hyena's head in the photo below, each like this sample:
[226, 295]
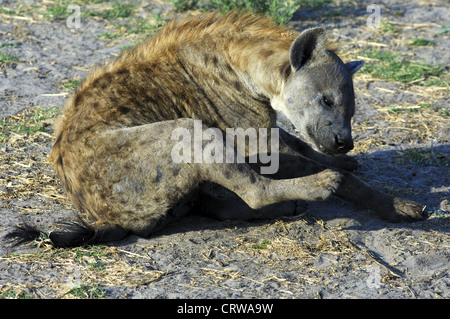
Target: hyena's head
[318, 97]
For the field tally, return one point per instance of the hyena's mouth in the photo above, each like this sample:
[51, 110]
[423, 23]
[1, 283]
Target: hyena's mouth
[314, 140]
[324, 150]
[336, 149]
[331, 143]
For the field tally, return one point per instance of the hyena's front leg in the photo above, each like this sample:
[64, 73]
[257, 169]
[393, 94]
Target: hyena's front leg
[387, 207]
[259, 191]
[255, 190]
[354, 190]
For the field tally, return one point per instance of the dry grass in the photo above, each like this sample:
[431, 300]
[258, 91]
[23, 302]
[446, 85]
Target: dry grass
[25, 172]
[405, 123]
[97, 267]
[313, 251]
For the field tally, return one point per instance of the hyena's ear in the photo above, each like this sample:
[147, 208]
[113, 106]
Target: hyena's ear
[307, 43]
[354, 66]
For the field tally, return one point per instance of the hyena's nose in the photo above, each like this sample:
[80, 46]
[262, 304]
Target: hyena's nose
[343, 144]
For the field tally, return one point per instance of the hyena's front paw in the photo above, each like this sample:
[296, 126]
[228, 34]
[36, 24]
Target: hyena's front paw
[405, 210]
[327, 182]
[400, 210]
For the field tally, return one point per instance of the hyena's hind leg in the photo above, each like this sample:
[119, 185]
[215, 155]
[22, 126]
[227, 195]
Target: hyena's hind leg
[146, 187]
[218, 202]
[127, 183]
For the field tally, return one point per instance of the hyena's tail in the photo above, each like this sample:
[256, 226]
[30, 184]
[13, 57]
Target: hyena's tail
[70, 235]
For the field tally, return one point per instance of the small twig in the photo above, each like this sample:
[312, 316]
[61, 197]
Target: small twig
[55, 94]
[132, 254]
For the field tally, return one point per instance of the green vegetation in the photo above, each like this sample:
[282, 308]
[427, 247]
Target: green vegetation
[280, 10]
[434, 107]
[92, 255]
[12, 294]
[439, 213]
[445, 29]
[70, 84]
[118, 10]
[108, 36]
[261, 245]
[6, 58]
[145, 26]
[392, 66]
[427, 157]
[57, 12]
[389, 27]
[445, 112]
[137, 26]
[21, 10]
[183, 5]
[9, 44]
[90, 291]
[29, 122]
[421, 42]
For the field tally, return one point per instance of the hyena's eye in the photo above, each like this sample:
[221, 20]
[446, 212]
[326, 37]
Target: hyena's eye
[327, 101]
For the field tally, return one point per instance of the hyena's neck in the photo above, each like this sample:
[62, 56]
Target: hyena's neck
[236, 77]
[265, 66]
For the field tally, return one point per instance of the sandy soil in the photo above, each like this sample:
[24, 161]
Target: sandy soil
[333, 250]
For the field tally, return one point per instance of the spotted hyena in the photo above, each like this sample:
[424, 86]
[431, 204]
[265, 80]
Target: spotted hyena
[114, 144]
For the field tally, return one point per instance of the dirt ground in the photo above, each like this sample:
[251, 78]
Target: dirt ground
[333, 250]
